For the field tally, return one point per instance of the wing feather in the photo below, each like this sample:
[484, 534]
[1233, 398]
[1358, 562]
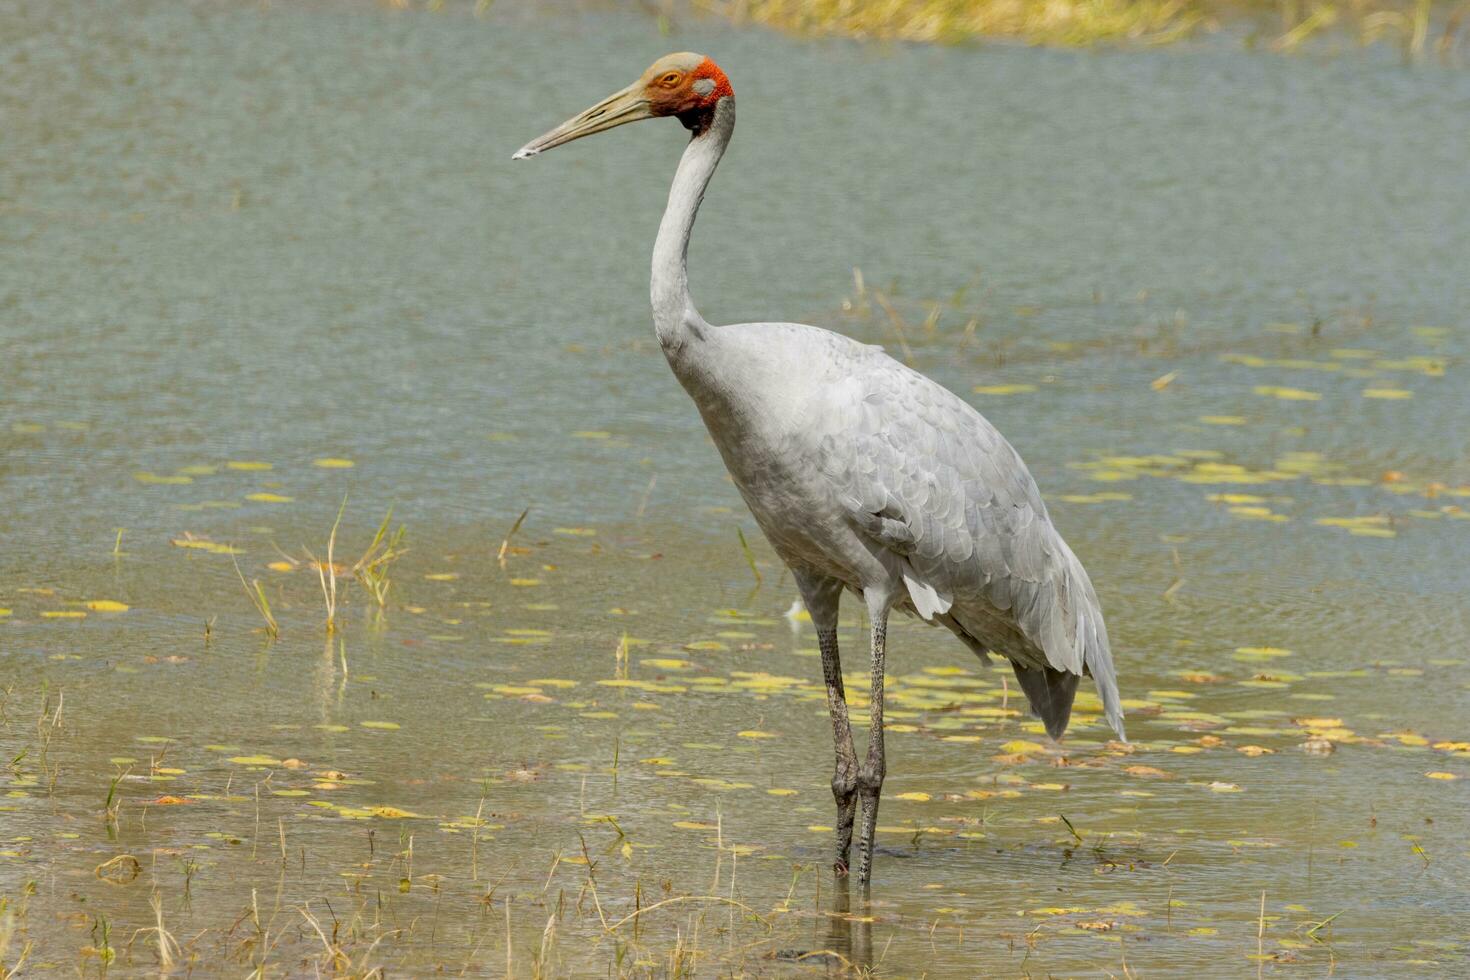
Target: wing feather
[925, 475]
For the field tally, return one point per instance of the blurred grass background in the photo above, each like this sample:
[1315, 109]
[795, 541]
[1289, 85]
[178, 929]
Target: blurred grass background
[1420, 29]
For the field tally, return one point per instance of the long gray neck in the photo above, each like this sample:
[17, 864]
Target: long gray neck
[675, 319]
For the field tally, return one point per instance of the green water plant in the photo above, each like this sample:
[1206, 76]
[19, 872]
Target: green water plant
[373, 568]
[327, 570]
[749, 555]
[257, 599]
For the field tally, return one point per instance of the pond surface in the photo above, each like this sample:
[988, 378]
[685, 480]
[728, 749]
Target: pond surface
[262, 256]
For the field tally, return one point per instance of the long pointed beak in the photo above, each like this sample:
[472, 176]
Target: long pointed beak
[626, 106]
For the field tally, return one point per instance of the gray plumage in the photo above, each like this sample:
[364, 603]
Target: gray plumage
[861, 469]
[863, 474]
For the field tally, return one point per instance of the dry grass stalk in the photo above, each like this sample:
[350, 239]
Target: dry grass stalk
[505, 542]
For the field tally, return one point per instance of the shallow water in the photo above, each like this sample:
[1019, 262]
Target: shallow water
[1217, 300]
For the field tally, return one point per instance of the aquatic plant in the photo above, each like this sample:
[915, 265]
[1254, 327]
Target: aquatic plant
[327, 571]
[372, 569]
[259, 601]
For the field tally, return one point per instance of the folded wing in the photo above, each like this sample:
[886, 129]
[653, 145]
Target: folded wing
[923, 474]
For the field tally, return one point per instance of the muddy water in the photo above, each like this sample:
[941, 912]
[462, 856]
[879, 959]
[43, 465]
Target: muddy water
[259, 257]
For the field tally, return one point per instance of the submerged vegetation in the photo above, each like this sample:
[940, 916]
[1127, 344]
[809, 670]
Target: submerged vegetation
[521, 778]
[614, 821]
[373, 571]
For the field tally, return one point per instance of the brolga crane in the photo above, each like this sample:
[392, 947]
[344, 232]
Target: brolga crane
[864, 474]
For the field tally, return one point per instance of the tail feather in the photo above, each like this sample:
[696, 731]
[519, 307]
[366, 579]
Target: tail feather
[1051, 693]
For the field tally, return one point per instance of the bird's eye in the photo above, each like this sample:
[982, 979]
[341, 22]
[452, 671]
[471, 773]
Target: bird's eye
[671, 79]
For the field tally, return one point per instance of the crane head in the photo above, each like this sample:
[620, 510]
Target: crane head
[687, 86]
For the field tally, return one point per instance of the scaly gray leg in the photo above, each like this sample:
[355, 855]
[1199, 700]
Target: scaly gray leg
[821, 596]
[870, 776]
[845, 774]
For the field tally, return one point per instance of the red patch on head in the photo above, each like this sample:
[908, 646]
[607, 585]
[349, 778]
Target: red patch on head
[708, 69]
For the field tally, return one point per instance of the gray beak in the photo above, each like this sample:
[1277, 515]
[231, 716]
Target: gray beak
[628, 105]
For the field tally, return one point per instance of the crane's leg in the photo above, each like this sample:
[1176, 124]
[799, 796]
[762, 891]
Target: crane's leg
[845, 773]
[821, 596]
[870, 775]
